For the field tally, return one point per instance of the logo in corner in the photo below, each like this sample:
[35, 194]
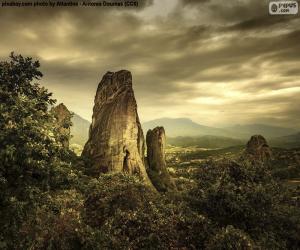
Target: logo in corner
[283, 8]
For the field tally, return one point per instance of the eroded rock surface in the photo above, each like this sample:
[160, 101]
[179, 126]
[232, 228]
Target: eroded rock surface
[116, 140]
[63, 125]
[157, 170]
[257, 149]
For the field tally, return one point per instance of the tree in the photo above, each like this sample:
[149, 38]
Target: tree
[32, 160]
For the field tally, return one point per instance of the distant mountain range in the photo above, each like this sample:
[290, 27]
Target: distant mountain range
[182, 127]
[186, 127]
[185, 132]
[268, 131]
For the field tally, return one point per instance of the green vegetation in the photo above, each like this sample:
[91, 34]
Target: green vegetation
[48, 200]
[248, 198]
[33, 159]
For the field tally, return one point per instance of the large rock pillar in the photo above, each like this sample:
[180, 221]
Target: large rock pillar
[157, 169]
[116, 140]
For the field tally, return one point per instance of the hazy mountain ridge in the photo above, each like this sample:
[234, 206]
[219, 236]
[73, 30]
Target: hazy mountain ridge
[289, 141]
[186, 127]
[79, 130]
[182, 127]
[268, 131]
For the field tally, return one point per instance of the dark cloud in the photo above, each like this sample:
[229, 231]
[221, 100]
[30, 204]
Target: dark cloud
[262, 22]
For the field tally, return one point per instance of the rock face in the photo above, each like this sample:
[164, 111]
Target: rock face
[257, 149]
[63, 117]
[157, 170]
[116, 140]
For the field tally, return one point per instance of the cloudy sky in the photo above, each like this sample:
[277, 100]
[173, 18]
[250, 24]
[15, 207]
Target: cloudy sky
[214, 61]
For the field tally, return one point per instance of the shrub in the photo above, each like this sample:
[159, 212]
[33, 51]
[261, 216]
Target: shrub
[248, 198]
[134, 217]
[230, 238]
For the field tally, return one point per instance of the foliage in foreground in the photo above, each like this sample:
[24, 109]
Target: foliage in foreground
[32, 160]
[134, 217]
[250, 199]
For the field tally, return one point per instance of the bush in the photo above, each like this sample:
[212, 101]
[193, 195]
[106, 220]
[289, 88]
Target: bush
[248, 198]
[134, 217]
[230, 238]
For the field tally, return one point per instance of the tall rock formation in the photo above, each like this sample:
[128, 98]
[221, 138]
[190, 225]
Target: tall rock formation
[63, 124]
[116, 140]
[157, 170]
[258, 150]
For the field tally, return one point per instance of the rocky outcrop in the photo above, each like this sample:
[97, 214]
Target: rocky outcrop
[63, 123]
[116, 140]
[258, 150]
[156, 162]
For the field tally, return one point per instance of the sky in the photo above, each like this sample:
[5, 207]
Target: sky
[216, 62]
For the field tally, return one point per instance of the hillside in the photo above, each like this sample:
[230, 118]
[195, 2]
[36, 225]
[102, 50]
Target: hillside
[289, 141]
[79, 130]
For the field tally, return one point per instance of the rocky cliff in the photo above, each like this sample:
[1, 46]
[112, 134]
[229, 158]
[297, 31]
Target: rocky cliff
[116, 140]
[157, 169]
[257, 149]
[63, 124]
